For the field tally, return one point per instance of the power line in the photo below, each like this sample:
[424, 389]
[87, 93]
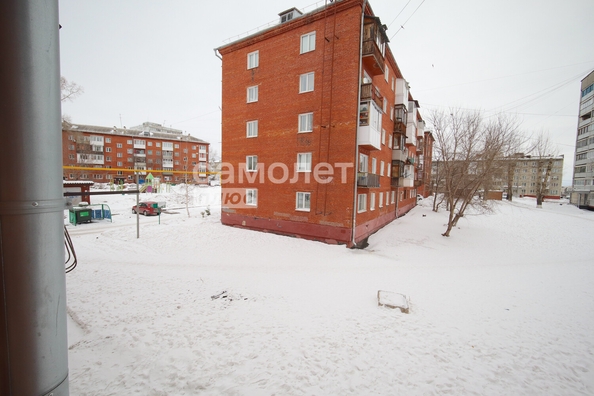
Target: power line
[411, 15]
[390, 24]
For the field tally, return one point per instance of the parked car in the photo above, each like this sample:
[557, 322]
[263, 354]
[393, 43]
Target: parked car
[147, 208]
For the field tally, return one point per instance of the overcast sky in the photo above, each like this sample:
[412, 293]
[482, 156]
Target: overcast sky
[149, 60]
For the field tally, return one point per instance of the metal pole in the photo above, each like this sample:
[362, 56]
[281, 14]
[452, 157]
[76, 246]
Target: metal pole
[33, 332]
[137, 202]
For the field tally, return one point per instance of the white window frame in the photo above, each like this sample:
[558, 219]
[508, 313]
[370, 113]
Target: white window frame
[307, 42]
[393, 196]
[361, 203]
[383, 137]
[303, 201]
[251, 196]
[251, 163]
[305, 123]
[363, 163]
[304, 162]
[253, 59]
[387, 74]
[381, 200]
[373, 165]
[251, 129]
[372, 201]
[382, 168]
[306, 82]
[387, 197]
[252, 94]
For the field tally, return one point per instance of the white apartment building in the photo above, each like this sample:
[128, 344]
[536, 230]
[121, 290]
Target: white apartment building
[583, 171]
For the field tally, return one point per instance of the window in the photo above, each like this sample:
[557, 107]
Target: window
[363, 163]
[304, 162]
[362, 203]
[150, 143]
[381, 200]
[71, 147]
[251, 197]
[385, 105]
[251, 163]
[107, 140]
[393, 196]
[373, 165]
[387, 74]
[129, 151]
[119, 155]
[306, 122]
[108, 149]
[158, 144]
[253, 60]
[308, 42]
[372, 201]
[251, 128]
[390, 139]
[252, 94]
[71, 156]
[383, 137]
[119, 164]
[387, 197]
[129, 141]
[119, 145]
[306, 82]
[381, 169]
[176, 145]
[108, 159]
[303, 201]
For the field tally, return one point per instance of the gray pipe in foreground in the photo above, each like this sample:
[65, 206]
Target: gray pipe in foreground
[33, 333]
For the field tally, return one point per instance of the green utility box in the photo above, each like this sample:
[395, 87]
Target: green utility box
[80, 215]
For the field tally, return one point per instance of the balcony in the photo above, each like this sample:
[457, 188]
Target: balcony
[369, 137]
[400, 119]
[139, 153]
[365, 179]
[370, 92]
[399, 155]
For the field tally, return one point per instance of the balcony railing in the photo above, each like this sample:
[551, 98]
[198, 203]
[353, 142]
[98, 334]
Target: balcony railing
[365, 179]
[372, 57]
[370, 92]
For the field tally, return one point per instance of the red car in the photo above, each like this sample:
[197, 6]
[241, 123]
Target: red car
[147, 208]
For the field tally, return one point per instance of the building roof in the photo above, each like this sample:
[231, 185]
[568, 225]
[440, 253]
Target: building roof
[101, 130]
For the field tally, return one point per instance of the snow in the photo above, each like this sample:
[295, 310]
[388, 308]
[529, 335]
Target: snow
[503, 306]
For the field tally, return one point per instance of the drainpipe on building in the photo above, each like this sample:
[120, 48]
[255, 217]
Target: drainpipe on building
[33, 321]
[355, 207]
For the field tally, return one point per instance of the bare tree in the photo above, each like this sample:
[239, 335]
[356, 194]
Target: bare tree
[470, 152]
[543, 151]
[69, 90]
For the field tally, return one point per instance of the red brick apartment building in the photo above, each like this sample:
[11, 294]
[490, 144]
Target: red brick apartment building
[321, 136]
[105, 155]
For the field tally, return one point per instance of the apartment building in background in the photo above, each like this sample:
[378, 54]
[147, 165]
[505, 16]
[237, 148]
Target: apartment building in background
[527, 171]
[110, 154]
[583, 171]
[321, 137]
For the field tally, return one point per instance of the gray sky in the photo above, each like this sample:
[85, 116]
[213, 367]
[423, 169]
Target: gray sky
[149, 60]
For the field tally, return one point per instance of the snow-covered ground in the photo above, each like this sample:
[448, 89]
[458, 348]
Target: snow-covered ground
[505, 306]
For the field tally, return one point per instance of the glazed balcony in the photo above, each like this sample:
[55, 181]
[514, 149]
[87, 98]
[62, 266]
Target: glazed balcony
[400, 119]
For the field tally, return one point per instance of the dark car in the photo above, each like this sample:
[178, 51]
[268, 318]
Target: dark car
[147, 208]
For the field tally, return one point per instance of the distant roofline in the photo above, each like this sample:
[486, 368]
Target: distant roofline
[129, 132]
